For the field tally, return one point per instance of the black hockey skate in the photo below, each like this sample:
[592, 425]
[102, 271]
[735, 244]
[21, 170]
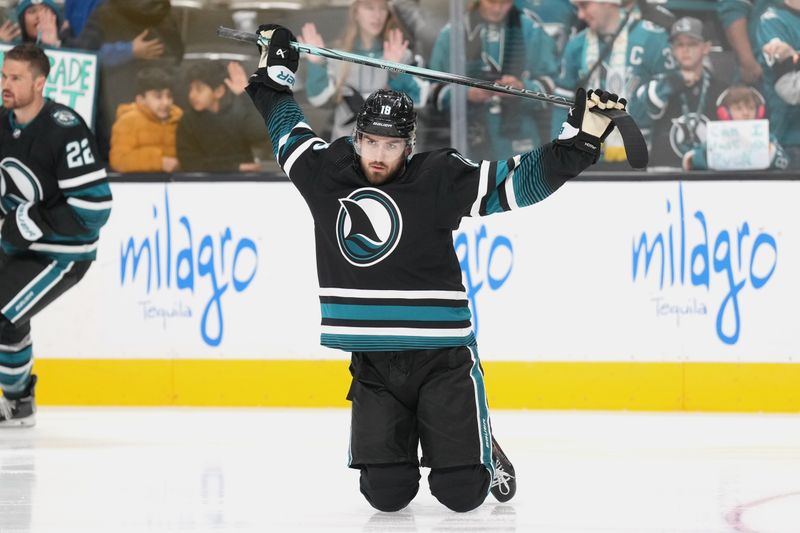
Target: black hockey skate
[20, 412]
[504, 483]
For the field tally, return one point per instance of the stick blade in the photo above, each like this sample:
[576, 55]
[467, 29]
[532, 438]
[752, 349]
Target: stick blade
[635, 145]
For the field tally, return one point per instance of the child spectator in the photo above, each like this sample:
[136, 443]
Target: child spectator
[674, 109]
[40, 22]
[219, 133]
[143, 136]
[738, 103]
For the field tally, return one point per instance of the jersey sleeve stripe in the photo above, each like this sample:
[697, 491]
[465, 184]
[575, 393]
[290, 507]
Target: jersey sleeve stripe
[83, 179]
[491, 186]
[92, 206]
[300, 150]
[293, 132]
[483, 184]
[397, 294]
[508, 187]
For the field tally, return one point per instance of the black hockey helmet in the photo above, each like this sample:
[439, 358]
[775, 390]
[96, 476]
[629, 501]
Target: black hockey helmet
[388, 114]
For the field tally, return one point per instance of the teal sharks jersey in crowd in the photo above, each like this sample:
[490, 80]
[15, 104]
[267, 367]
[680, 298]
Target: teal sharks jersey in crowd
[780, 23]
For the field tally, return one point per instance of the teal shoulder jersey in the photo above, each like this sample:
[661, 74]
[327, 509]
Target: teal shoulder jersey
[647, 54]
[784, 24]
[520, 48]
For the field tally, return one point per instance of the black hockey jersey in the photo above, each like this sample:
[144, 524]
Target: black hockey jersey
[51, 176]
[388, 272]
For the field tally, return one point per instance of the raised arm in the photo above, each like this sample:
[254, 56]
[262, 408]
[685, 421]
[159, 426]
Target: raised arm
[294, 144]
[499, 186]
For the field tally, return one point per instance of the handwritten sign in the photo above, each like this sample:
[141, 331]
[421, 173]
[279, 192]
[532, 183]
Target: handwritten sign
[738, 144]
[72, 80]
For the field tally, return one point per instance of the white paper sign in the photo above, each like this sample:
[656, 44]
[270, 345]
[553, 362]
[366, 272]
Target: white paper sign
[738, 144]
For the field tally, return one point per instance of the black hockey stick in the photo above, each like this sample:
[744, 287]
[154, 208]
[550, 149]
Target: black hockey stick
[635, 146]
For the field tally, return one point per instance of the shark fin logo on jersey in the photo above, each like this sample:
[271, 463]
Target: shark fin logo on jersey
[18, 183]
[65, 117]
[687, 132]
[368, 227]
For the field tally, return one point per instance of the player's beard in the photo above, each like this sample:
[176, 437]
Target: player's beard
[380, 172]
[17, 101]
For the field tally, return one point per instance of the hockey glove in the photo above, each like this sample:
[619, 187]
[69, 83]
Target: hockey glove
[279, 61]
[22, 227]
[586, 126]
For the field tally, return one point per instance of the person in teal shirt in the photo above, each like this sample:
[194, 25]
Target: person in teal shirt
[504, 46]
[616, 50]
[778, 40]
[740, 20]
[559, 18]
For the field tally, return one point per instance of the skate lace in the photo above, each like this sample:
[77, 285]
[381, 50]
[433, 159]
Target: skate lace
[501, 478]
[6, 412]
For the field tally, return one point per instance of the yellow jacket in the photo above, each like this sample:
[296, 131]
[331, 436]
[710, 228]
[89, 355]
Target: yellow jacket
[139, 140]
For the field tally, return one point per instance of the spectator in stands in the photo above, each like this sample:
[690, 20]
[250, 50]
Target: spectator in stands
[219, 133]
[740, 20]
[504, 46]
[143, 136]
[41, 22]
[740, 102]
[617, 51]
[149, 36]
[417, 25]
[558, 18]
[675, 107]
[77, 12]
[779, 42]
[654, 13]
[371, 31]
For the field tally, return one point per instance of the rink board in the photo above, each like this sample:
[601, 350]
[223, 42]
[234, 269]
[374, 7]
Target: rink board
[637, 295]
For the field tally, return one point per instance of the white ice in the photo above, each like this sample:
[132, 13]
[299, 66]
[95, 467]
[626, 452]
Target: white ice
[173, 470]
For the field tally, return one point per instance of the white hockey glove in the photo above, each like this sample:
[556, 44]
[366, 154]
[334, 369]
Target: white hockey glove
[587, 126]
[279, 61]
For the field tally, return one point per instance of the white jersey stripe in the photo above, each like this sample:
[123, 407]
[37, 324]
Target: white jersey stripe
[83, 179]
[483, 186]
[92, 206]
[287, 168]
[63, 248]
[410, 295]
[399, 332]
[282, 140]
[511, 196]
[16, 371]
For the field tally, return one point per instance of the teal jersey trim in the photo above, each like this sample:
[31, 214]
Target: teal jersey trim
[482, 406]
[394, 312]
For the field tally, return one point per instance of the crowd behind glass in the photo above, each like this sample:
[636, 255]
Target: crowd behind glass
[171, 95]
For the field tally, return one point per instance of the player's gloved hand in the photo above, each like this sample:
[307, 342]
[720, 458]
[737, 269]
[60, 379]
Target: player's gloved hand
[587, 126]
[278, 62]
[21, 228]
